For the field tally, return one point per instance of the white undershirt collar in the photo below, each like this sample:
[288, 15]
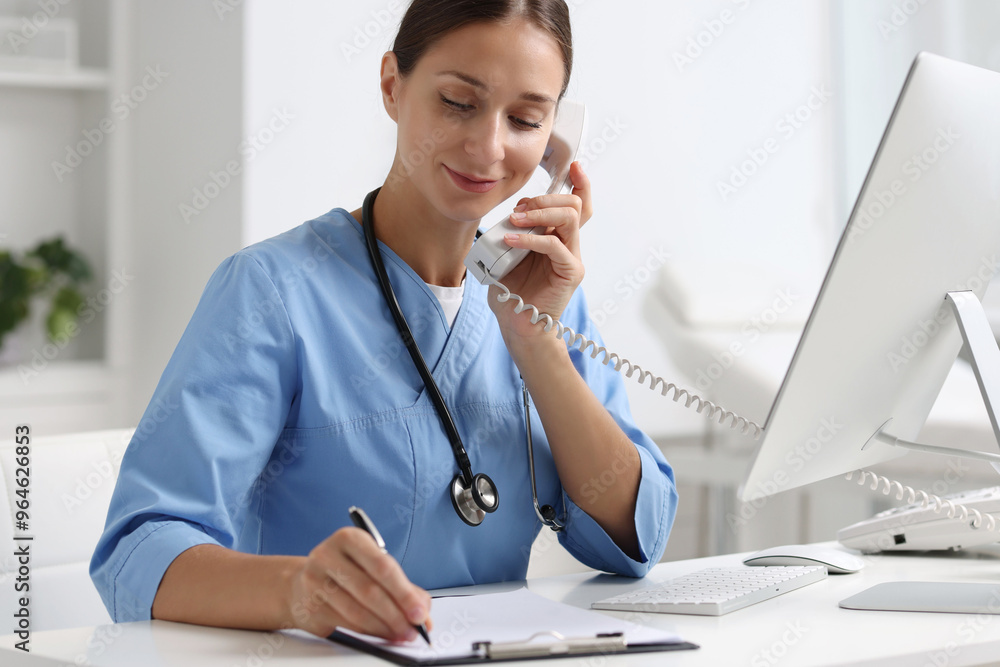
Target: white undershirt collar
[450, 299]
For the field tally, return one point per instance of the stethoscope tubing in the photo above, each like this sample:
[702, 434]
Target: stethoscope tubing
[461, 456]
[482, 502]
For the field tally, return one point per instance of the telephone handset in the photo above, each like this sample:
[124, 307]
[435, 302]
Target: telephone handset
[490, 259]
[490, 254]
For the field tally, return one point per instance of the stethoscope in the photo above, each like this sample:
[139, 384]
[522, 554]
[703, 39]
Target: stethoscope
[472, 495]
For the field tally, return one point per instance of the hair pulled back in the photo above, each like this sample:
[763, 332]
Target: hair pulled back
[427, 21]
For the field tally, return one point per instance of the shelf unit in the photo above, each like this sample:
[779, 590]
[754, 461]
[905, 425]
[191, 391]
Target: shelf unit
[45, 116]
[84, 78]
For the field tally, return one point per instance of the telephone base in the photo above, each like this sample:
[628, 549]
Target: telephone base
[916, 527]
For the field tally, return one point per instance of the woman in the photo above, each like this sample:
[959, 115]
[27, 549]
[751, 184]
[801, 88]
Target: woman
[290, 396]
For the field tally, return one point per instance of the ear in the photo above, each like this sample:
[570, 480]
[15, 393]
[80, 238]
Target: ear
[390, 84]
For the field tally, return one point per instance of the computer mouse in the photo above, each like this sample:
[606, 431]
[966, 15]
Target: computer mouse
[835, 560]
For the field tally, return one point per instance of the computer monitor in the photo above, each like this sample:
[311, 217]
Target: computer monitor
[882, 336]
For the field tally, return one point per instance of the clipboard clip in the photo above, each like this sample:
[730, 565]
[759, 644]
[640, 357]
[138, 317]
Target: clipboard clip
[602, 643]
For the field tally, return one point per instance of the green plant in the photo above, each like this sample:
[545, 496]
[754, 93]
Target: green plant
[50, 269]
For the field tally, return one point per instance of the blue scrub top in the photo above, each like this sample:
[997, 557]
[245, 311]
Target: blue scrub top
[291, 397]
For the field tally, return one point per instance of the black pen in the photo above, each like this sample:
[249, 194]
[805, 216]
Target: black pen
[362, 521]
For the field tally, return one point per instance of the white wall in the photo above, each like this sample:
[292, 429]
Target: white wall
[188, 127]
[689, 125]
[339, 142]
[876, 42]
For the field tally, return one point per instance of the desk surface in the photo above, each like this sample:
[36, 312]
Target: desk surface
[802, 628]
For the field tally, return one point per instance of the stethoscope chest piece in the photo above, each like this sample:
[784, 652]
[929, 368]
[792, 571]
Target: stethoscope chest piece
[474, 501]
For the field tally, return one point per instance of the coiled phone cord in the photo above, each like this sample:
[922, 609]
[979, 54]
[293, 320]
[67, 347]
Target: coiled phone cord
[711, 410]
[926, 499]
[702, 406]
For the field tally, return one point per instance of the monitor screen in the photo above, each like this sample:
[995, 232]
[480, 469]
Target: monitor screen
[881, 338]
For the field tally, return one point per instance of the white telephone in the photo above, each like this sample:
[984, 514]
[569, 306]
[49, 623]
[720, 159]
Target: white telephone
[490, 254]
[925, 526]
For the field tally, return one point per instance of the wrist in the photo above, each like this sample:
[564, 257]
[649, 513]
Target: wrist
[294, 612]
[543, 349]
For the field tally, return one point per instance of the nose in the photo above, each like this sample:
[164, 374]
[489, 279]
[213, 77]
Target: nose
[486, 139]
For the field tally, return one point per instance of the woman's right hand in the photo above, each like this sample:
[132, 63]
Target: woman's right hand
[348, 581]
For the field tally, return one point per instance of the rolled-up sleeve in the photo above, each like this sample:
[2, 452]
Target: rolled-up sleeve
[656, 501]
[188, 474]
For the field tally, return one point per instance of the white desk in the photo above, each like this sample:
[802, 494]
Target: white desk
[801, 628]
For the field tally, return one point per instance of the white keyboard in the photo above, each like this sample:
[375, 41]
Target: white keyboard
[717, 590]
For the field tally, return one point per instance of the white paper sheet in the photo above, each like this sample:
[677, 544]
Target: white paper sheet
[459, 622]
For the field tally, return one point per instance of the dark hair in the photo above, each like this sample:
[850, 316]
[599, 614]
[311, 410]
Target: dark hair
[427, 21]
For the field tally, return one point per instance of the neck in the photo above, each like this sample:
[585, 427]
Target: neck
[431, 244]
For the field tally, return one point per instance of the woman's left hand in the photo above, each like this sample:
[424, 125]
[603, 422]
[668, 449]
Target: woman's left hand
[550, 274]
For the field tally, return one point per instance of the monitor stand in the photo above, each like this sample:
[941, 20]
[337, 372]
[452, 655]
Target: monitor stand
[985, 355]
[964, 598]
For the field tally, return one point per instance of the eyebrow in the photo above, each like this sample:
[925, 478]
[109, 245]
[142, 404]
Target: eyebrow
[472, 81]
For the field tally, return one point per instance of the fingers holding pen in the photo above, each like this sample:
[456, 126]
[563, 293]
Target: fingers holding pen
[323, 603]
[348, 581]
[386, 573]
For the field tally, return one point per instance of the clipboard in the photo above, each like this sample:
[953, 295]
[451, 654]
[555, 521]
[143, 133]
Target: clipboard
[502, 630]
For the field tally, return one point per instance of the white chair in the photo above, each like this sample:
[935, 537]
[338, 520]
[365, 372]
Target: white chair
[71, 481]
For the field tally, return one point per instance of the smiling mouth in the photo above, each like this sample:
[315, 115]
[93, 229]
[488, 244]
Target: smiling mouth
[470, 183]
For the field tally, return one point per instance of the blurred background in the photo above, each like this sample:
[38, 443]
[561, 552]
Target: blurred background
[727, 142]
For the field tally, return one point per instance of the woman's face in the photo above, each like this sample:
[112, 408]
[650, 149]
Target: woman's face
[475, 114]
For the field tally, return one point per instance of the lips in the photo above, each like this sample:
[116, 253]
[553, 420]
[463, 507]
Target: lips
[470, 183]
